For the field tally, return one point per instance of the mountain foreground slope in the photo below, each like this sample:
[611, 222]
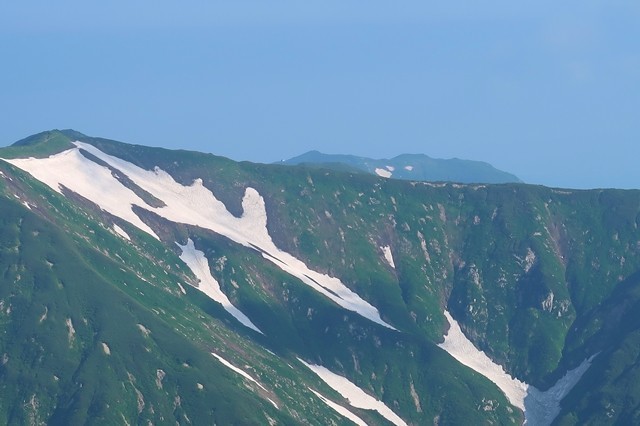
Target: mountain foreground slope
[147, 285]
[416, 167]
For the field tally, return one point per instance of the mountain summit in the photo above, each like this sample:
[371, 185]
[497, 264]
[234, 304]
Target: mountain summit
[410, 167]
[145, 285]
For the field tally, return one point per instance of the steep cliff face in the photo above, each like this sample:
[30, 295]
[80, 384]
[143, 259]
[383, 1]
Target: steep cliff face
[208, 285]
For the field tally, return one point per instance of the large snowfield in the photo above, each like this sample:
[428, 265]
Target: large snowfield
[192, 205]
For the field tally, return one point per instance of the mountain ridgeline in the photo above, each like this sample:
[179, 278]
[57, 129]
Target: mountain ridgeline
[146, 285]
[409, 167]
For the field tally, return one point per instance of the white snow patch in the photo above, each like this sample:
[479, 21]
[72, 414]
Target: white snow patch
[44, 315]
[529, 260]
[160, 375]
[543, 407]
[192, 205]
[356, 396]
[423, 245]
[237, 370]
[340, 409]
[87, 178]
[199, 265]
[71, 332]
[540, 408]
[390, 168]
[182, 290]
[461, 348]
[273, 403]
[26, 205]
[144, 330]
[124, 420]
[383, 173]
[388, 256]
[121, 232]
[106, 348]
[408, 168]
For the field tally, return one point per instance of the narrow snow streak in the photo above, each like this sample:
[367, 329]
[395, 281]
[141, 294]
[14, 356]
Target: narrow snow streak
[191, 205]
[340, 409]
[121, 232]
[199, 265]
[237, 370]
[540, 408]
[243, 374]
[356, 396]
[273, 403]
[388, 256]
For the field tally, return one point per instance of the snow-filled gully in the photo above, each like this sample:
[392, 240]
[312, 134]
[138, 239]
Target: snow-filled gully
[199, 265]
[192, 205]
[242, 373]
[540, 408]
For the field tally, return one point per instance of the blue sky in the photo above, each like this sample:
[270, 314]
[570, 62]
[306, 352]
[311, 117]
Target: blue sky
[547, 90]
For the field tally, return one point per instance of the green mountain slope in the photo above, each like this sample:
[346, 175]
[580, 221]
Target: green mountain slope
[539, 279]
[417, 167]
[87, 339]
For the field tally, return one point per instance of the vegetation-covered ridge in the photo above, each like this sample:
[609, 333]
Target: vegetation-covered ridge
[540, 279]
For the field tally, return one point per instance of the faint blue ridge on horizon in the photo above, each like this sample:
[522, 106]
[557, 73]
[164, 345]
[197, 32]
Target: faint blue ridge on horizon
[419, 167]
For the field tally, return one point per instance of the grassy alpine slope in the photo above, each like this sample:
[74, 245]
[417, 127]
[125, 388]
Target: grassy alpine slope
[540, 279]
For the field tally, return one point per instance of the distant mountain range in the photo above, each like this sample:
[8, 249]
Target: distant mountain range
[417, 167]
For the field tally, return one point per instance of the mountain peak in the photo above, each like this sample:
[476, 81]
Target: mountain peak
[42, 144]
[40, 138]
